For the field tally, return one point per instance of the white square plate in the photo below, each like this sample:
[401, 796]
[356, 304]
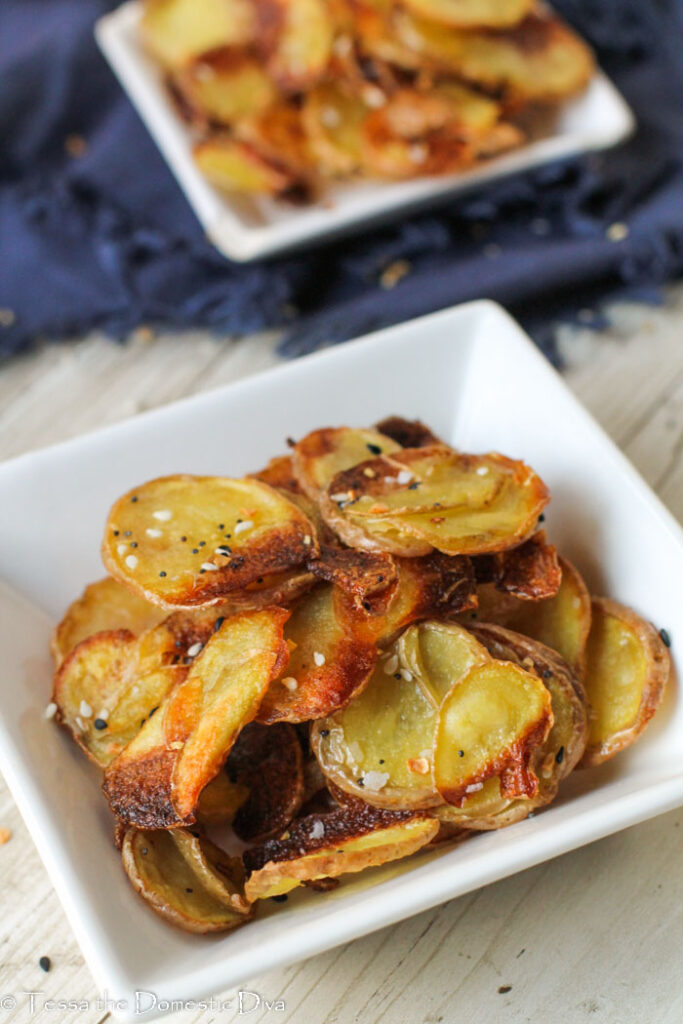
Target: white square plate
[244, 228]
[473, 376]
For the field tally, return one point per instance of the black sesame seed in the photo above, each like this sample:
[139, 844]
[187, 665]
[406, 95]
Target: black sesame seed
[360, 781]
[559, 756]
[324, 732]
[228, 536]
[176, 659]
[374, 449]
[162, 573]
[179, 643]
[380, 578]
[45, 963]
[133, 543]
[414, 486]
[547, 673]
[666, 637]
[189, 890]
[367, 606]
[239, 520]
[397, 675]
[221, 526]
[195, 551]
[260, 579]
[218, 623]
[127, 533]
[290, 442]
[183, 539]
[282, 898]
[144, 851]
[153, 710]
[116, 533]
[461, 753]
[381, 760]
[541, 518]
[134, 498]
[202, 543]
[100, 723]
[202, 570]
[504, 989]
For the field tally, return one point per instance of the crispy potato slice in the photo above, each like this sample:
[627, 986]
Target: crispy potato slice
[224, 85]
[562, 622]
[277, 135]
[333, 118]
[186, 879]
[320, 455]
[220, 801]
[489, 724]
[436, 498]
[438, 654]
[178, 31]
[296, 38]
[379, 748]
[472, 13]
[156, 781]
[407, 433]
[538, 61]
[235, 166]
[329, 845]
[268, 761]
[627, 669]
[331, 657]
[360, 573]
[531, 571]
[193, 540]
[103, 605]
[112, 682]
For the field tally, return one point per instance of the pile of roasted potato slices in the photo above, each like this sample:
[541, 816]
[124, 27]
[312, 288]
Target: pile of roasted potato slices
[365, 649]
[285, 96]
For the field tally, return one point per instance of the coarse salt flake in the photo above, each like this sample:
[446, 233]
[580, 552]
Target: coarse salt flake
[375, 780]
[404, 477]
[318, 658]
[482, 470]
[153, 532]
[163, 515]
[132, 561]
[474, 787]
[318, 830]
[241, 527]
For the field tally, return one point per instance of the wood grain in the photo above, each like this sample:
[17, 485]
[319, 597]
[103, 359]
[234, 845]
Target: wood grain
[589, 937]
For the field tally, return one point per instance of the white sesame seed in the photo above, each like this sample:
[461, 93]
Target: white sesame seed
[153, 532]
[404, 477]
[241, 527]
[103, 714]
[482, 471]
[132, 561]
[163, 515]
[307, 539]
[318, 658]
[209, 566]
[340, 496]
[51, 710]
[475, 787]
[225, 551]
[408, 676]
[193, 651]
[290, 682]
[121, 549]
[85, 709]
[176, 745]
[391, 664]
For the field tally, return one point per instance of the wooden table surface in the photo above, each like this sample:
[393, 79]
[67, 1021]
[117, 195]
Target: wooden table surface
[593, 936]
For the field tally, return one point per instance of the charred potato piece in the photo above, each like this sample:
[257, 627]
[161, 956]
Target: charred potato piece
[360, 573]
[186, 879]
[220, 801]
[104, 605]
[268, 761]
[489, 725]
[235, 166]
[295, 37]
[277, 135]
[157, 779]
[531, 572]
[407, 433]
[436, 498]
[177, 31]
[331, 657]
[472, 13]
[538, 61]
[223, 86]
[627, 669]
[329, 845]
[318, 457]
[190, 541]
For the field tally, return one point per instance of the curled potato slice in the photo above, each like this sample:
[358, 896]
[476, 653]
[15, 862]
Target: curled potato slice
[186, 879]
[407, 433]
[330, 845]
[234, 166]
[530, 571]
[224, 85]
[379, 747]
[156, 780]
[627, 669]
[295, 37]
[333, 118]
[360, 573]
[277, 135]
[489, 724]
[320, 455]
[472, 13]
[220, 801]
[178, 31]
[104, 605]
[436, 498]
[331, 657]
[191, 540]
[268, 761]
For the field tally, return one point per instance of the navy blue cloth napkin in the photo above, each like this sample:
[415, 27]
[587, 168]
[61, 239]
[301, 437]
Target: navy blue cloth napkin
[94, 231]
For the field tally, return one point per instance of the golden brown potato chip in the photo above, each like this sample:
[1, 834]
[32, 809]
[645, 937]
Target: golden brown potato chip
[178, 31]
[267, 760]
[407, 433]
[103, 605]
[186, 879]
[191, 540]
[224, 85]
[234, 166]
[220, 801]
[331, 657]
[627, 669]
[530, 571]
[472, 13]
[329, 845]
[360, 573]
[333, 118]
[156, 781]
[320, 455]
[295, 37]
[489, 724]
[277, 135]
[436, 498]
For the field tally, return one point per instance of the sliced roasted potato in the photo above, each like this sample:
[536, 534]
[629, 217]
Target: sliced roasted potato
[329, 845]
[331, 656]
[223, 86]
[320, 455]
[361, 574]
[189, 540]
[156, 781]
[333, 118]
[530, 571]
[436, 498]
[472, 13]
[277, 135]
[234, 166]
[627, 669]
[407, 433]
[220, 801]
[104, 605]
[178, 31]
[296, 38]
[186, 879]
[438, 654]
[268, 761]
[490, 724]
[561, 622]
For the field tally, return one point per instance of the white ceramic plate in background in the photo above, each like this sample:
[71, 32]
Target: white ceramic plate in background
[244, 228]
[477, 380]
